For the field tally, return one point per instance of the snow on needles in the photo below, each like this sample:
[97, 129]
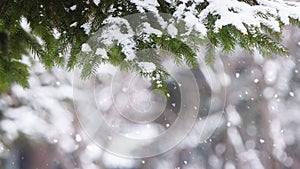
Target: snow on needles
[147, 67]
[238, 14]
[149, 5]
[114, 33]
[285, 9]
[233, 12]
[241, 15]
[189, 16]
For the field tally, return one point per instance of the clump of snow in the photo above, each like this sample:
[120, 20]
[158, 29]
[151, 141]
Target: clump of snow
[285, 9]
[189, 16]
[73, 7]
[25, 25]
[147, 67]
[236, 13]
[86, 48]
[172, 30]
[113, 33]
[56, 33]
[96, 2]
[147, 28]
[74, 24]
[102, 53]
[86, 27]
[149, 5]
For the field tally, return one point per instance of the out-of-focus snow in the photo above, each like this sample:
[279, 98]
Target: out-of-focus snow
[233, 116]
[271, 70]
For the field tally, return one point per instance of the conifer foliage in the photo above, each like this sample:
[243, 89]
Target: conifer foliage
[59, 31]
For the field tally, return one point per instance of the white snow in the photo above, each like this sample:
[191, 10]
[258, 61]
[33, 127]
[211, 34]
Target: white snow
[233, 116]
[146, 4]
[56, 33]
[113, 33]
[86, 27]
[73, 7]
[86, 48]
[172, 30]
[96, 2]
[113, 161]
[74, 24]
[104, 98]
[271, 70]
[285, 9]
[25, 25]
[102, 53]
[146, 27]
[268, 92]
[190, 18]
[147, 67]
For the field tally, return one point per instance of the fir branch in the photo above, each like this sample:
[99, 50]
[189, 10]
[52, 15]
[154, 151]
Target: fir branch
[179, 49]
[209, 54]
[227, 37]
[19, 73]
